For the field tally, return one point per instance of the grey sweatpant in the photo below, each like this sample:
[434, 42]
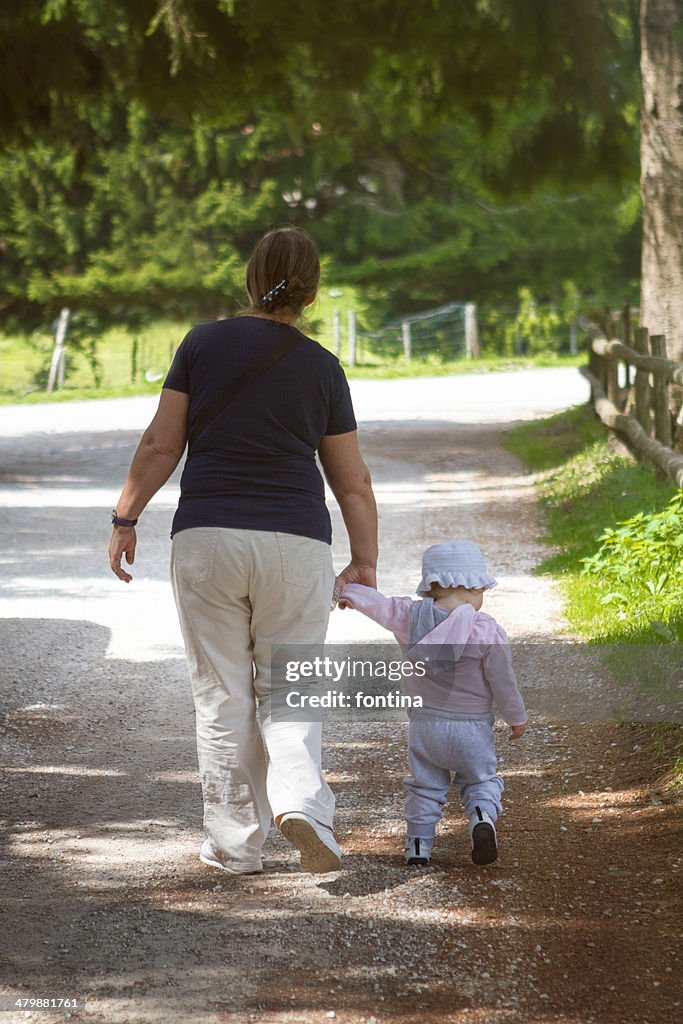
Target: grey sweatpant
[438, 744]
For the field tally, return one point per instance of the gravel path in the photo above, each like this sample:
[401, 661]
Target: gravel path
[104, 897]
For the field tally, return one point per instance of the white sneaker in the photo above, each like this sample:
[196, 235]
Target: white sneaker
[418, 851]
[207, 856]
[319, 849]
[484, 839]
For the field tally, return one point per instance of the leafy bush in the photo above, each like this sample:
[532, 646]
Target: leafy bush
[639, 566]
[535, 328]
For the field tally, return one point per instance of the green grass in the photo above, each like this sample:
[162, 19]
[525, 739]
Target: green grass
[74, 394]
[586, 488]
[25, 361]
[551, 442]
[121, 372]
[21, 360]
[433, 366]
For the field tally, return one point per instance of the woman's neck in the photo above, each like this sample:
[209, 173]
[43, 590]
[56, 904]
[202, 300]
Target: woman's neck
[289, 319]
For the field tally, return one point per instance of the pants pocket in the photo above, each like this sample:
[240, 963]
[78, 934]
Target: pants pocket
[302, 559]
[194, 554]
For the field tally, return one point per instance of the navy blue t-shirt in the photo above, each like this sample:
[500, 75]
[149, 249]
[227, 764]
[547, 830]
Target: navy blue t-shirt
[254, 465]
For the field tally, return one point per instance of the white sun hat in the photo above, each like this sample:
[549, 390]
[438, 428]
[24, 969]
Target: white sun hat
[456, 563]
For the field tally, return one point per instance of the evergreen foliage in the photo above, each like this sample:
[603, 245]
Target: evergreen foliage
[437, 151]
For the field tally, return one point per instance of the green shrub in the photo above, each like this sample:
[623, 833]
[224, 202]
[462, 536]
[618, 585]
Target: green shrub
[535, 328]
[638, 568]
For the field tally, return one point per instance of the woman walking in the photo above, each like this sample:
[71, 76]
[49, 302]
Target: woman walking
[255, 400]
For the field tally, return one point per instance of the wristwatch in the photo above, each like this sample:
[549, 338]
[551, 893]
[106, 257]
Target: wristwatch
[118, 521]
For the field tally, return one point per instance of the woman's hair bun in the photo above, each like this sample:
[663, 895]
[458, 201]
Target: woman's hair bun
[283, 271]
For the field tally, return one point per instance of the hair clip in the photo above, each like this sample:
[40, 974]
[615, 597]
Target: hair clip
[266, 299]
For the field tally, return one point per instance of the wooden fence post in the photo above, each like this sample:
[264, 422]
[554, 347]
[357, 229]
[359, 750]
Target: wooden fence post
[573, 337]
[626, 338]
[57, 363]
[407, 342]
[595, 366]
[611, 371]
[660, 394]
[519, 343]
[61, 370]
[642, 381]
[471, 333]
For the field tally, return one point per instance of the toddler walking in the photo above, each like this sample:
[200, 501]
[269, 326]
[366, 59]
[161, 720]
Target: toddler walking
[467, 662]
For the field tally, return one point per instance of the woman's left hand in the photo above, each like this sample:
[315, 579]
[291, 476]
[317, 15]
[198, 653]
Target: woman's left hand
[123, 541]
[357, 573]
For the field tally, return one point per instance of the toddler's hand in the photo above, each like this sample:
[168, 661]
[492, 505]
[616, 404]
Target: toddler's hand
[337, 600]
[517, 730]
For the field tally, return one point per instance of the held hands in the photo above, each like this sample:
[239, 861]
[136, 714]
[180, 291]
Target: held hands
[355, 573]
[123, 541]
[517, 730]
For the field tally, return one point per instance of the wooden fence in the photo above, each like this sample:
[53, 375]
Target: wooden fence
[634, 400]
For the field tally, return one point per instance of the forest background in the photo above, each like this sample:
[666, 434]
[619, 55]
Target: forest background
[482, 152]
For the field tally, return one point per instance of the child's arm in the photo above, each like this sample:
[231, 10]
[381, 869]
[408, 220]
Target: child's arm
[500, 675]
[391, 612]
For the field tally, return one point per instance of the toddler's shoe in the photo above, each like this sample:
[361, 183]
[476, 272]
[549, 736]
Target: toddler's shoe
[319, 849]
[418, 851]
[208, 856]
[484, 839]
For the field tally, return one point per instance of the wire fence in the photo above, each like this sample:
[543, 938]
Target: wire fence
[121, 358]
[458, 330]
[440, 332]
[121, 361]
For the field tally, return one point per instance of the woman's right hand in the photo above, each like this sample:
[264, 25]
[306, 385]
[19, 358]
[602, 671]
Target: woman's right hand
[123, 542]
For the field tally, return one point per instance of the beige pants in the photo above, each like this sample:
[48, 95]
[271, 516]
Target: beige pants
[238, 593]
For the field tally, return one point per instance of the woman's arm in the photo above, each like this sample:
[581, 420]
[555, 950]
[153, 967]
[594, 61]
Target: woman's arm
[349, 479]
[157, 455]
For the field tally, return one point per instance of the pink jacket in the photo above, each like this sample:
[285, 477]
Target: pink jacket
[483, 669]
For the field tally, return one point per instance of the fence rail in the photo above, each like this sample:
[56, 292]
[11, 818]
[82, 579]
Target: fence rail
[638, 407]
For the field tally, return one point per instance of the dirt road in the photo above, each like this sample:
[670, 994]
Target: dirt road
[105, 900]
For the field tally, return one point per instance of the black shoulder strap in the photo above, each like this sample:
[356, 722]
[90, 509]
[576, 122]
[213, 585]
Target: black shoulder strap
[240, 383]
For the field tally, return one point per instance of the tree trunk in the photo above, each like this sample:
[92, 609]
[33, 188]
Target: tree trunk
[662, 171]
